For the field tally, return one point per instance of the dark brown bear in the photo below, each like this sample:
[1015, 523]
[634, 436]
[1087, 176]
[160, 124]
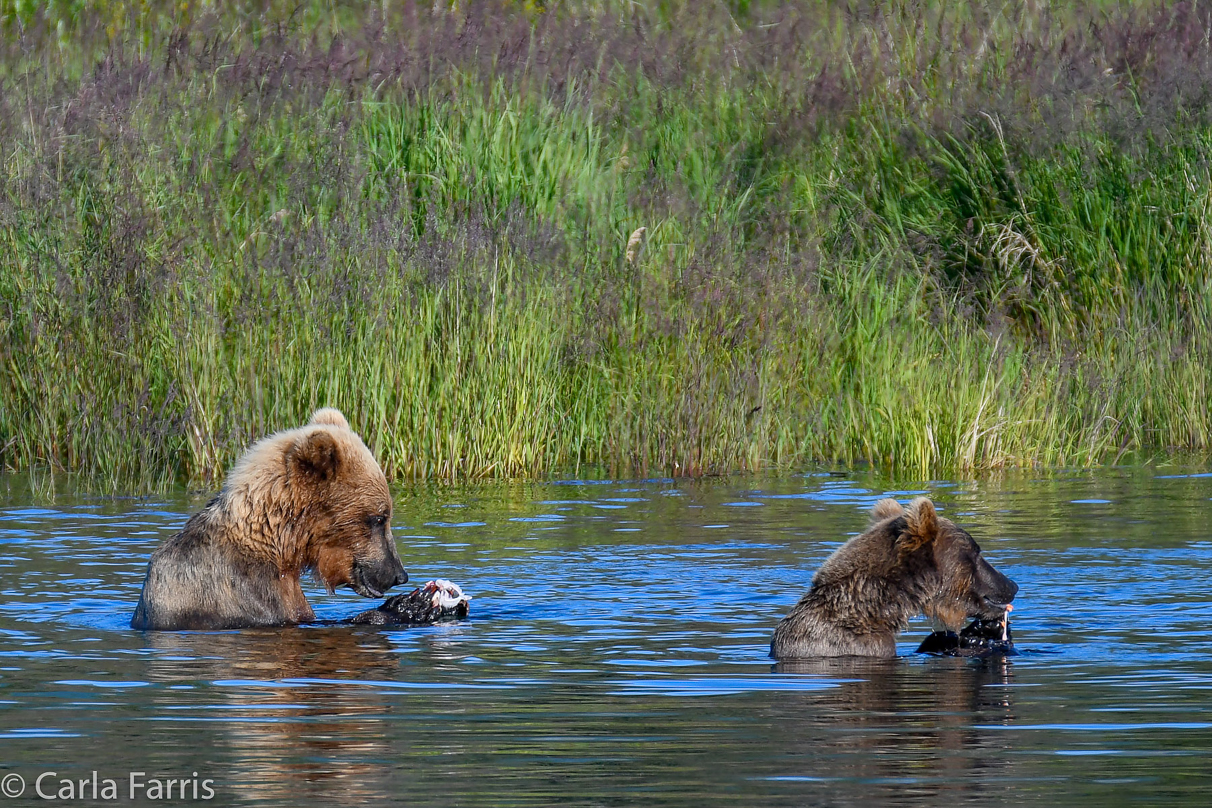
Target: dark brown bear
[306, 500]
[909, 562]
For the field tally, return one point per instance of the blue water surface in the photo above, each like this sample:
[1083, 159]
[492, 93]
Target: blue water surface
[617, 653]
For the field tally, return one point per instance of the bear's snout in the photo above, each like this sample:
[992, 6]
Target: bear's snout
[371, 580]
[401, 576]
[995, 587]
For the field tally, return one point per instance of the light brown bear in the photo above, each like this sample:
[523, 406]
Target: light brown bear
[305, 500]
[909, 562]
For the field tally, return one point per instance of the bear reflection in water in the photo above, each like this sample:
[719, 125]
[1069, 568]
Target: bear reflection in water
[332, 716]
[304, 713]
[922, 725]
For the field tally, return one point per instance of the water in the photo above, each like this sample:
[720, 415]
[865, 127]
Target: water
[617, 655]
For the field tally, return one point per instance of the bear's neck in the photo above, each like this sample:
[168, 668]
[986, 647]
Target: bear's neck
[870, 604]
[264, 527]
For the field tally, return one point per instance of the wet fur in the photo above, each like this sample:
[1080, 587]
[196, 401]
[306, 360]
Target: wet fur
[909, 562]
[306, 500]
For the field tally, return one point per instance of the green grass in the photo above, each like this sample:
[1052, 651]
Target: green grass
[906, 235]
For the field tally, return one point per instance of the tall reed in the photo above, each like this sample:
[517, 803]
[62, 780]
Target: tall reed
[663, 240]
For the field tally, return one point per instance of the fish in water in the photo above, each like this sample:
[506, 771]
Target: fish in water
[434, 602]
[980, 638]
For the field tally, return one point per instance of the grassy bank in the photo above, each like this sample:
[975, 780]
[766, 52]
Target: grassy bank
[925, 237]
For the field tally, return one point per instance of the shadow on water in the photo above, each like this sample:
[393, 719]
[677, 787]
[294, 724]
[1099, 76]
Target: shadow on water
[617, 652]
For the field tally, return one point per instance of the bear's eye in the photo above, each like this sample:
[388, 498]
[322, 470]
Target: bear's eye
[378, 520]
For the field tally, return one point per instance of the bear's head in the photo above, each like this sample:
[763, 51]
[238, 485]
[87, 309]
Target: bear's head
[929, 548]
[319, 502]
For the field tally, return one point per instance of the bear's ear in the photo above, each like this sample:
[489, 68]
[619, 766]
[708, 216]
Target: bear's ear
[886, 509]
[330, 416]
[315, 456]
[922, 524]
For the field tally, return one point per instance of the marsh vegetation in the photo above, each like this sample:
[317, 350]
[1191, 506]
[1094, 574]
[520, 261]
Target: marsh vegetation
[914, 234]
